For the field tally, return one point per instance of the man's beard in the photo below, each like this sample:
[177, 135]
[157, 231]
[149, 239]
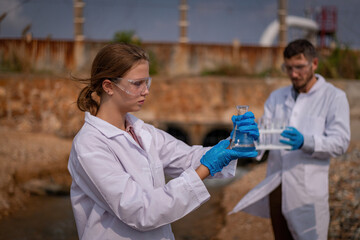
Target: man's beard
[302, 88]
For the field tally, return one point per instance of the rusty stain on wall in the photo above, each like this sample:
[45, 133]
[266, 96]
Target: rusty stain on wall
[173, 59]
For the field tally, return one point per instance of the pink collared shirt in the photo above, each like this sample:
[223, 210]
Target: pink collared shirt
[130, 129]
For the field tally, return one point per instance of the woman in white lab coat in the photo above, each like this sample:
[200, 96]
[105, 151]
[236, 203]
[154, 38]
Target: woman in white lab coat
[118, 163]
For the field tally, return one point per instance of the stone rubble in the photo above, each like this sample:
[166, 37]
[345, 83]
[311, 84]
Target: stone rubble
[344, 198]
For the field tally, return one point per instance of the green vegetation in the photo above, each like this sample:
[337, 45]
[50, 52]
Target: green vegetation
[225, 70]
[12, 64]
[341, 63]
[233, 71]
[126, 37]
[131, 38]
[17, 64]
[336, 64]
[154, 65]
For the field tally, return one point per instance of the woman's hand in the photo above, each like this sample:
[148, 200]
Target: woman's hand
[245, 124]
[219, 156]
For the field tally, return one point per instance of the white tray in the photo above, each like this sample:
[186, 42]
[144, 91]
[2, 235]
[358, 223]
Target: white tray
[273, 147]
[275, 131]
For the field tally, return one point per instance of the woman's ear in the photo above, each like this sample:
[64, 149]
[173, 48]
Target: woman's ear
[108, 87]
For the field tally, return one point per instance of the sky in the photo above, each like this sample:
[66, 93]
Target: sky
[211, 21]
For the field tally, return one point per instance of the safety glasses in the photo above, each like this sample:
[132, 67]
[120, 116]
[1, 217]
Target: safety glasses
[296, 68]
[133, 87]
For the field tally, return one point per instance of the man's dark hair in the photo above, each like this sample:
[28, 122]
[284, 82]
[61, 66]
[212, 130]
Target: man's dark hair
[300, 46]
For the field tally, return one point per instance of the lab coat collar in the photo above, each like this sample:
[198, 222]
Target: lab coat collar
[108, 129]
[143, 135]
[320, 81]
[134, 121]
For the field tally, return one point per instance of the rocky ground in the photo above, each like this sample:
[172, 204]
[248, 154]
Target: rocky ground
[31, 163]
[37, 163]
[344, 202]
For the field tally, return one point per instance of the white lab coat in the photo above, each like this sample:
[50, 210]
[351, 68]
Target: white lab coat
[322, 116]
[119, 190]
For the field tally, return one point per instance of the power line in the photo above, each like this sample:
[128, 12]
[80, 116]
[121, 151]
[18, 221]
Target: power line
[17, 6]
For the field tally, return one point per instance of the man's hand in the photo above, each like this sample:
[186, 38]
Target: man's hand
[296, 139]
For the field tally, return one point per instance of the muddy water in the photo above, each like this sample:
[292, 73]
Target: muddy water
[43, 217]
[50, 217]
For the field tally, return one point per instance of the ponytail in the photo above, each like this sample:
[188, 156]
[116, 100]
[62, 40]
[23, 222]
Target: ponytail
[112, 61]
[85, 102]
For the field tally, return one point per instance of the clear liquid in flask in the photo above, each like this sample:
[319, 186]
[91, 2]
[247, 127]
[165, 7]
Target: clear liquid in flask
[242, 141]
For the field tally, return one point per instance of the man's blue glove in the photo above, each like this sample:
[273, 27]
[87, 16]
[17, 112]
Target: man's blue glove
[296, 139]
[219, 156]
[245, 124]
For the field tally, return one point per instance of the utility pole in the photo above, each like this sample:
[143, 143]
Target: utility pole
[79, 34]
[183, 23]
[79, 20]
[282, 13]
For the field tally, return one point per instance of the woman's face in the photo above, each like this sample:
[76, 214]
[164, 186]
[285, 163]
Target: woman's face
[131, 90]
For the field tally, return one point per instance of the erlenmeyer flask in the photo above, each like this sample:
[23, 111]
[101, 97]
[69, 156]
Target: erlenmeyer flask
[242, 141]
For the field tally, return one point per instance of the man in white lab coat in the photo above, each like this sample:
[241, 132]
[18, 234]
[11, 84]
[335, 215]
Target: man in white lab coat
[295, 191]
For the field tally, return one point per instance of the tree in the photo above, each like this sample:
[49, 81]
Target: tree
[131, 38]
[126, 37]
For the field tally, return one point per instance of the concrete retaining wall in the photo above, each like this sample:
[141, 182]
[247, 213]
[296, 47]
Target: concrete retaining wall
[195, 105]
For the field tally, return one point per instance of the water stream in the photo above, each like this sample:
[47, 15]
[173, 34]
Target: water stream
[44, 217]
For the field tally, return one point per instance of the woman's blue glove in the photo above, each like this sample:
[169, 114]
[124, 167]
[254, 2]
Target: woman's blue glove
[296, 139]
[245, 124]
[218, 156]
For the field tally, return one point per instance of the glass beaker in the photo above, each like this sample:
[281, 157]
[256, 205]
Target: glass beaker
[242, 141]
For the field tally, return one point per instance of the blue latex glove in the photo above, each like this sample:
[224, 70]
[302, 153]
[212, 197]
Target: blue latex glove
[245, 124]
[219, 156]
[296, 139]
